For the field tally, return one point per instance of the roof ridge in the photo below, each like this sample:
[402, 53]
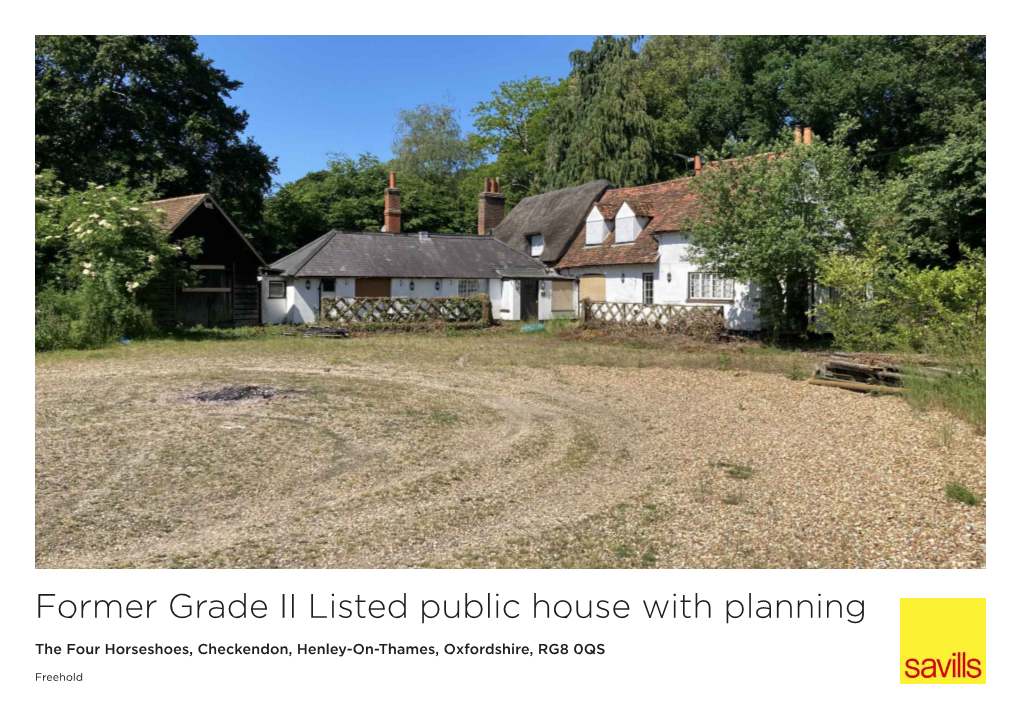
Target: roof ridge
[685, 179]
[175, 198]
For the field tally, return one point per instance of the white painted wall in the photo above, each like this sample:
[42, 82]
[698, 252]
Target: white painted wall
[628, 225]
[545, 300]
[597, 228]
[304, 301]
[673, 248]
[509, 307]
[624, 283]
[274, 310]
[496, 296]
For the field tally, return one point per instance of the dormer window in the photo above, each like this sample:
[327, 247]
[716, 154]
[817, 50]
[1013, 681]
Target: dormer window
[537, 243]
[629, 223]
[597, 228]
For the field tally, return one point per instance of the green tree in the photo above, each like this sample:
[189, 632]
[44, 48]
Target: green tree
[514, 127]
[601, 128]
[428, 142]
[437, 170]
[347, 195]
[673, 67]
[148, 110]
[98, 250]
[769, 218]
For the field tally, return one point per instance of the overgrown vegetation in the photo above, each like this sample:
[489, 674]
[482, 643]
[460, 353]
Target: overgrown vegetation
[961, 393]
[98, 250]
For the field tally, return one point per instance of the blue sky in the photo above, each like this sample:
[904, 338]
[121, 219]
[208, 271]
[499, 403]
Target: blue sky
[309, 96]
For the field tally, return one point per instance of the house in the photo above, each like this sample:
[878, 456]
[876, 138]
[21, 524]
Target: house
[228, 266]
[630, 250]
[363, 264]
[542, 226]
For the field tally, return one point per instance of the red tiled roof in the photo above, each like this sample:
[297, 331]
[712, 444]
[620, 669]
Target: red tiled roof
[667, 204]
[175, 210]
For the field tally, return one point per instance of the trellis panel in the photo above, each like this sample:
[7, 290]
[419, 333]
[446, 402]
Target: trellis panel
[639, 314]
[354, 311]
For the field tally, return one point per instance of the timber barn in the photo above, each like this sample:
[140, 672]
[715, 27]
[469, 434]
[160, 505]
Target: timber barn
[228, 265]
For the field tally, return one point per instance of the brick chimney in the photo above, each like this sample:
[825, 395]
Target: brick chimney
[392, 213]
[798, 136]
[807, 135]
[491, 206]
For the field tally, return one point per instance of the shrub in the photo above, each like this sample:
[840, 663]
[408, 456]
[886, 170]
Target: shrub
[878, 302]
[96, 250]
[87, 317]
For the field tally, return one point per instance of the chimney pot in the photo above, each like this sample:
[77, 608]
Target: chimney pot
[697, 164]
[797, 135]
[807, 135]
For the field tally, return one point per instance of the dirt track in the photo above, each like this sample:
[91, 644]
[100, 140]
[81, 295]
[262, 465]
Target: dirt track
[395, 465]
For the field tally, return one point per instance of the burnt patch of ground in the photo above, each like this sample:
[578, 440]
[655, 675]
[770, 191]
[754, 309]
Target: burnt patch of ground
[241, 393]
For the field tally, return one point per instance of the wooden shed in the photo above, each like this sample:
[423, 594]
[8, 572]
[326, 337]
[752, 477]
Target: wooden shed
[228, 264]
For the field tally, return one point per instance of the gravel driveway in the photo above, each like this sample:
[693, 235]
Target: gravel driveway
[399, 465]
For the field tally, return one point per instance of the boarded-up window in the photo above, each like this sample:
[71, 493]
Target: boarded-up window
[593, 287]
[562, 295]
[372, 288]
[277, 289]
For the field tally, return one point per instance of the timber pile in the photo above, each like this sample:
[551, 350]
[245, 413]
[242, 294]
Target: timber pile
[845, 367]
[869, 374]
[318, 331]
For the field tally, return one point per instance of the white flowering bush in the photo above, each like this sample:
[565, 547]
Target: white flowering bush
[97, 250]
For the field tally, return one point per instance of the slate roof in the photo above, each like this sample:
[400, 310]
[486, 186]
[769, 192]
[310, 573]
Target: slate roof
[667, 204]
[357, 254]
[557, 216]
[177, 210]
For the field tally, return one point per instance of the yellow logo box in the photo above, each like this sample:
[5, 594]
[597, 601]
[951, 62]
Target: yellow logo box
[942, 640]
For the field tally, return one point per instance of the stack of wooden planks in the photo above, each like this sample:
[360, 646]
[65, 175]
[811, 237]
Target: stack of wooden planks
[844, 370]
[318, 331]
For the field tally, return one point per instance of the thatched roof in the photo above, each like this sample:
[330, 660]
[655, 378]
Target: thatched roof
[558, 216]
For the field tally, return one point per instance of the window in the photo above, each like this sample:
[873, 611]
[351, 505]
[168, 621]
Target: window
[329, 285]
[467, 287]
[648, 283]
[277, 289]
[710, 286]
[537, 243]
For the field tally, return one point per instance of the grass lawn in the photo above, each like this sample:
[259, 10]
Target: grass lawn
[490, 448]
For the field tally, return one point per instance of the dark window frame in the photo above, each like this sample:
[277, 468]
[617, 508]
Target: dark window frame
[648, 288]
